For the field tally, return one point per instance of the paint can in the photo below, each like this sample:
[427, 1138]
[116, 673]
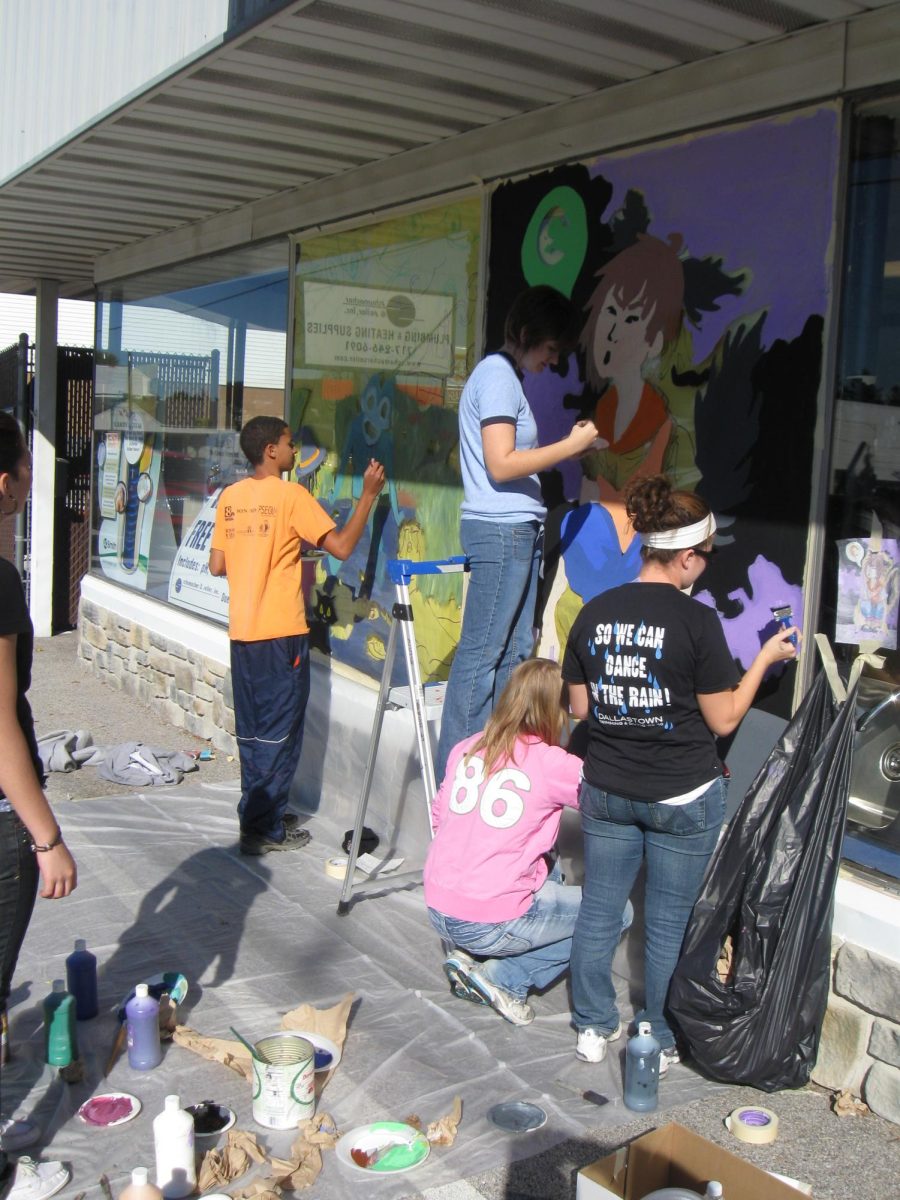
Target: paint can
[284, 1078]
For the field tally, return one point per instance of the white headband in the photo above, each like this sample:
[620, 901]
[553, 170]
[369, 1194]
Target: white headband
[683, 537]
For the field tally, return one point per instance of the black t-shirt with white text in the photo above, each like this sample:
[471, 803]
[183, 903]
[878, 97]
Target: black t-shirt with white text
[645, 650]
[14, 619]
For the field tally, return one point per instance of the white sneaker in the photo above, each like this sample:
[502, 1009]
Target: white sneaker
[510, 1007]
[17, 1132]
[457, 967]
[37, 1180]
[668, 1058]
[591, 1044]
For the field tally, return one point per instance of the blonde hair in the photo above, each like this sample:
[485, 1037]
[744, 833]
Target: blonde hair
[531, 703]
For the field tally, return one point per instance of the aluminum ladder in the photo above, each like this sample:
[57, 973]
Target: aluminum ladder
[426, 703]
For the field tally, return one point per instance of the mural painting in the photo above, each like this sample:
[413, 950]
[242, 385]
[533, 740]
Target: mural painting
[701, 268]
[384, 336]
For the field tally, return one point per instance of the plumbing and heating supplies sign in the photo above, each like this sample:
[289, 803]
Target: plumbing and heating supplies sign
[190, 584]
[377, 329]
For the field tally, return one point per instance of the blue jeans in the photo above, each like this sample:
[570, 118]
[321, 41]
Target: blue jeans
[270, 681]
[530, 951]
[498, 624]
[677, 842]
[18, 889]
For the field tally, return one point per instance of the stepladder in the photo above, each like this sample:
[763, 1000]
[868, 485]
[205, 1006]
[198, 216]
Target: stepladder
[424, 701]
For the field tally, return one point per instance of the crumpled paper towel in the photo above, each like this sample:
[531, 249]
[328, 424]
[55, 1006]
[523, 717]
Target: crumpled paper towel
[330, 1022]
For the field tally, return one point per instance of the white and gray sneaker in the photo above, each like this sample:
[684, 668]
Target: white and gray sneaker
[17, 1132]
[591, 1044]
[37, 1180]
[457, 967]
[668, 1057]
[510, 1007]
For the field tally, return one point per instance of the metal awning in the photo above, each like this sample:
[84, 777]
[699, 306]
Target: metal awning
[324, 87]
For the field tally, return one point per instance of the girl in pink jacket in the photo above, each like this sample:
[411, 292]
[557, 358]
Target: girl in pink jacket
[491, 887]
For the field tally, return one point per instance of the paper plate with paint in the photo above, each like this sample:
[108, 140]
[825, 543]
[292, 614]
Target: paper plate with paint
[327, 1052]
[111, 1108]
[384, 1148]
[210, 1118]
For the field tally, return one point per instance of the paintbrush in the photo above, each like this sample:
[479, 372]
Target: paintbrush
[118, 1046]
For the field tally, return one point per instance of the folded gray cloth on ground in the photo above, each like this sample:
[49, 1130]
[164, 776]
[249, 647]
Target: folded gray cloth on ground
[144, 766]
[69, 749]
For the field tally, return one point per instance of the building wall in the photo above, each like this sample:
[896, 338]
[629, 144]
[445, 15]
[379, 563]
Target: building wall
[67, 61]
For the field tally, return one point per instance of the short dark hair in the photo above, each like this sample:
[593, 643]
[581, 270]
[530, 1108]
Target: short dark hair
[260, 432]
[542, 314]
[12, 445]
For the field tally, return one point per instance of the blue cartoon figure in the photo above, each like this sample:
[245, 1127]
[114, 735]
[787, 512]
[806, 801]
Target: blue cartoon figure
[369, 436]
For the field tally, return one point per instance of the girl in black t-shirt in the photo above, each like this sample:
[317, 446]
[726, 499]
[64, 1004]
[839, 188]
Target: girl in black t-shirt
[650, 670]
[31, 844]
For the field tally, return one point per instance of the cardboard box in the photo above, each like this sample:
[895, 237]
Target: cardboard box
[675, 1157]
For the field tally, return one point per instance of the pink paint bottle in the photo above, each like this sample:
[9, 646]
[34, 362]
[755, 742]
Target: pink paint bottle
[140, 1187]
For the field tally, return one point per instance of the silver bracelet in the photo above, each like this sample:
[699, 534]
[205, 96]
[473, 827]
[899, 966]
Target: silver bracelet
[57, 841]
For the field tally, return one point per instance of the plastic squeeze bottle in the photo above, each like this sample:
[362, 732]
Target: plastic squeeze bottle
[60, 1042]
[81, 977]
[142, 1029]
[642, 1070]
[140, 1187]
[173, 1138]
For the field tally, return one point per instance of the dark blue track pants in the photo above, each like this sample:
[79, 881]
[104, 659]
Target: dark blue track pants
[270, 681]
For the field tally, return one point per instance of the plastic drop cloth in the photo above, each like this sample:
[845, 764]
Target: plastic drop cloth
[162, 887]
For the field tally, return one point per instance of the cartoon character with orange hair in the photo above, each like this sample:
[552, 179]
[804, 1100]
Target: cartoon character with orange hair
[635, 313]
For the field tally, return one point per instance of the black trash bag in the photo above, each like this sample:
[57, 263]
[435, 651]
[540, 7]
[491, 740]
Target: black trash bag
[770, 889]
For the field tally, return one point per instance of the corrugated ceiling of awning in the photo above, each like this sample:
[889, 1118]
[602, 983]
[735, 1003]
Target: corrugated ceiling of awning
[329, 85]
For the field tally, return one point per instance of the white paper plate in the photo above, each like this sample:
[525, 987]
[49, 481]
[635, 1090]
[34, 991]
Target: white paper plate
[373, 1137]
[91, 1112]
[322, 1046]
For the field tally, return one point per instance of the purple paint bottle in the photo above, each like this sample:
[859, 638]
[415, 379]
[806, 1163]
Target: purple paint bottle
[142, 1028]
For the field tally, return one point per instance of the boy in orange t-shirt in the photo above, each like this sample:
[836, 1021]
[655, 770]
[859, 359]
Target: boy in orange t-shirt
[261, 522]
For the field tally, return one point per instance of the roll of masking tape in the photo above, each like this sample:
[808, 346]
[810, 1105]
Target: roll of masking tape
[756, 1125]
[336, 868]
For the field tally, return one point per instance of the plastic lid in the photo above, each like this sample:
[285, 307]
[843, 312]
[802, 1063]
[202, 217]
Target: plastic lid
[59, 985]
[517, 1116]
[142, 990]
[140, 1176]
[173, 1103]
[714, 1190]
[645, 1029]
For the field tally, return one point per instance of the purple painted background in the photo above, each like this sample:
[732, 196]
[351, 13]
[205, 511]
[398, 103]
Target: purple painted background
[759, 198]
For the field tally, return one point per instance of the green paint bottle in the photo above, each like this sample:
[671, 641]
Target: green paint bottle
[60, 1043]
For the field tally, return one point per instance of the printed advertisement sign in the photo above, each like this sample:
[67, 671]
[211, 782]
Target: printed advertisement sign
[377, 329]
[190, 585]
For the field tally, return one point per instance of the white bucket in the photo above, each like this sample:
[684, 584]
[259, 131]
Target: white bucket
[284, 1081]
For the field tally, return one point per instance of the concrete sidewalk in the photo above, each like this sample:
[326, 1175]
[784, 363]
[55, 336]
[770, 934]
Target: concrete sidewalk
[852, 1158]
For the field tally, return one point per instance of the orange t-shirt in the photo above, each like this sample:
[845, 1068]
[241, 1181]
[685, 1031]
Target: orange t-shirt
[260, 524]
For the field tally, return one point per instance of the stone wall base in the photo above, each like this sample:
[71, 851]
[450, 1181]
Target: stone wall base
[188, 689]
[860, 1044]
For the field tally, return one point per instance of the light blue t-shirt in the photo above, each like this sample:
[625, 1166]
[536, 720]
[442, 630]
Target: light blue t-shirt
[493, 391]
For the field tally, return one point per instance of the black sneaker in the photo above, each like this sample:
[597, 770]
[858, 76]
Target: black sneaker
[294, 839]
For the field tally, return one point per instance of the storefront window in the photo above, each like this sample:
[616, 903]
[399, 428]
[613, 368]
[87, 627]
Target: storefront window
[384, 337]
[184, 357]
[862, 561]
